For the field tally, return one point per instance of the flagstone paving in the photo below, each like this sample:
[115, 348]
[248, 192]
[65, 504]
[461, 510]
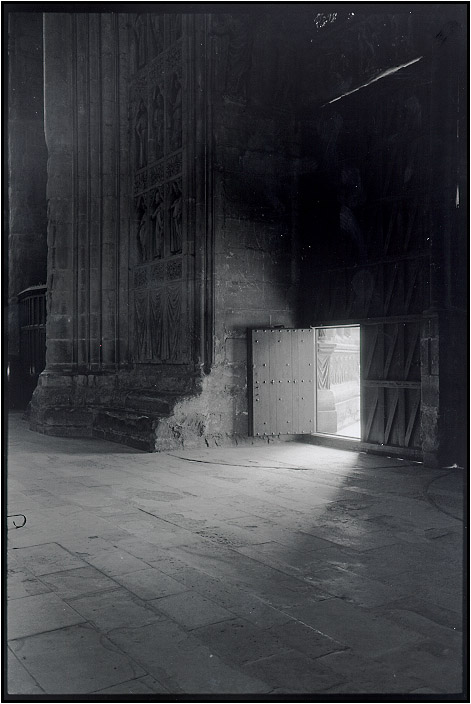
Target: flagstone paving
[253, 570]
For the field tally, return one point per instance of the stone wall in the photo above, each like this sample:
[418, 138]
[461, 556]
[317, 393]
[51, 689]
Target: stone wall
[255, 148]
[254, 151]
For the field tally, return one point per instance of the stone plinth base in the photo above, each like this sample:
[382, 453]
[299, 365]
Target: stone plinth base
[184, 411]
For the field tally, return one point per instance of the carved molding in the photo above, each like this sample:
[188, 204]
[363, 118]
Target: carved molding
[174, 270]
[162, 94]
[157, 223]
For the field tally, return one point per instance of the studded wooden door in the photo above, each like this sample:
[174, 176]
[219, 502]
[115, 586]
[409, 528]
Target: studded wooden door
[283, 388]
[390, 386]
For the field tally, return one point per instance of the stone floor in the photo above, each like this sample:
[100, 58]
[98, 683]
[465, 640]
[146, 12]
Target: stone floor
[261, 570]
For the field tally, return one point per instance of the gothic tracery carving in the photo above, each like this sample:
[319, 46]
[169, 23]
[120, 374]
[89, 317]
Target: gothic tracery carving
[157, 271]
[141, 318]
[157, 33]
[174, 269]
[158, 336]
[174, 323]
[140, 41]
[175, 197]
[141, 235]
[174, 27]
[140, 277]
[156, 173]
[174, 112]
[140, 130]
[173, 166]
[157, 122]
[157, 220]
[156, 104]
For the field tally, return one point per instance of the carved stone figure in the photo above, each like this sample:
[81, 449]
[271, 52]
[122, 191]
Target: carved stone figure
[175, 112]
[175, 218]
[142, 228]
[157, 224]
[157, 123]
[140, 129]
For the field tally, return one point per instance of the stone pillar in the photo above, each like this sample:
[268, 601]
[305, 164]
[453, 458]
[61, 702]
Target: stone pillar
[126, 128]
[83, 89]
[26, 175]
[60, 75]
[443, 344]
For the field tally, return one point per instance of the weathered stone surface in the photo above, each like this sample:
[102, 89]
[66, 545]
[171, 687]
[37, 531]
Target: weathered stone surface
[61, 647]
[153, 526]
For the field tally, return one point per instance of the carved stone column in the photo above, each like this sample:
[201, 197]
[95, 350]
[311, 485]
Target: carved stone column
[130, 268]
[27, 249]
[83, 137]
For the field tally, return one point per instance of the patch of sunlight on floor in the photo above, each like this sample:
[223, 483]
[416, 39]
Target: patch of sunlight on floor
[350, 431]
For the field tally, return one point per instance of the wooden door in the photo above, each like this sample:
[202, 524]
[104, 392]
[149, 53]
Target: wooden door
[390, 384]
[282, 381]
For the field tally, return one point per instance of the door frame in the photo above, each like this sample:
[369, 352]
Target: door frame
[334, 435]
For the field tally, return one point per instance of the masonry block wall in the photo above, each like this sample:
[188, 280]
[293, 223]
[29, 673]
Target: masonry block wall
[254, 152]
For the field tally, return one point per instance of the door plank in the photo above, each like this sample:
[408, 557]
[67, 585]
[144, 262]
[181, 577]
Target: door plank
[412, 419]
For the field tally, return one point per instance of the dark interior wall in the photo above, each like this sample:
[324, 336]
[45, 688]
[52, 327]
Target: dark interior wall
[27, 253]
[365, 206]
[382, 242]
[388, 158]
[448, 346]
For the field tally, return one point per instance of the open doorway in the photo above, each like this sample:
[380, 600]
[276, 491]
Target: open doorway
[338, 381]
[305, 381]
